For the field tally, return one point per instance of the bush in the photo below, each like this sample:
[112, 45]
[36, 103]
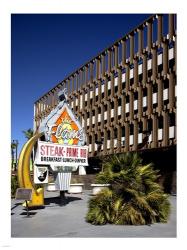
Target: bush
[14, 185]
[134, 196]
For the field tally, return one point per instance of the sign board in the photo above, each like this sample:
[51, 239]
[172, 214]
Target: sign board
[61, 155]
[62, 127]
[40, 174]
[24, 194]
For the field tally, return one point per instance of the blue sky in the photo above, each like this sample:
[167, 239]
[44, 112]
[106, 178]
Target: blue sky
[45, 48]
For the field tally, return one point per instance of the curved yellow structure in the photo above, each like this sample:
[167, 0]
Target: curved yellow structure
[24, 177]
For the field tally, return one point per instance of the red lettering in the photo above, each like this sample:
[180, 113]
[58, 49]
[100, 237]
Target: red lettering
[42, 150]
[72, 152]
[83, 153]
[52, 151]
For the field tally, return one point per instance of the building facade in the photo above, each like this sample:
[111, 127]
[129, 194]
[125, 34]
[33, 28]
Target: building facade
[125, 97]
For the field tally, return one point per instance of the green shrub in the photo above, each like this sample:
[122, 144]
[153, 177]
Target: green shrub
[134, 196]
[14, 185]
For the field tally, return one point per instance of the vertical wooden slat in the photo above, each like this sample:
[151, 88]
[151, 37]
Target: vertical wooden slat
[149, 98]
[131, 103]
[154, 64]
[165, 58]
[103, 64]
[119, 81]
[127, 76]
[126, 136]
[160, 95]
[116, 56]
[109, 61]
[149, 34]
[131, 47]
[91, 71]
[165, 129]
[124, 55]
[135, 135]
[171, 26]
[155, 131]
[159, 28]
[119, 138]
[140, 96]
[171, 91]
[135, 73]
[144, 68]
[140, 40]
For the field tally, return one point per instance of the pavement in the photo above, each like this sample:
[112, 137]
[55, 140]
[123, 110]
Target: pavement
[68, 221]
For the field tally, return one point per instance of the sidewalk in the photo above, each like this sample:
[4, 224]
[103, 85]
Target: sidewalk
[69, 221]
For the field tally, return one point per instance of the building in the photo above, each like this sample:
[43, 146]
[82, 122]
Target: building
[125, 97]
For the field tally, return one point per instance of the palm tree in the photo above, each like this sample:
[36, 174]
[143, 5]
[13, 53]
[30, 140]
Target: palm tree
[28, 133]
[134, 196]
[13, 147]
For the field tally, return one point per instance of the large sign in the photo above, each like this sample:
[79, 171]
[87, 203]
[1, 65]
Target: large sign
[62, 127]
[61, 155]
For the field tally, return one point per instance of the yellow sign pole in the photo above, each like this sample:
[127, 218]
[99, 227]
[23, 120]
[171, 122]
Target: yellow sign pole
[24, 177]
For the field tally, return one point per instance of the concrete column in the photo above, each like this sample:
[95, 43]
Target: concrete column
[102, 116]
[119, 81]
[115, 111]
[86, 74]
[144, 68]
[77, 81]
[127, 76]
[116, 56]
[108, 113]
[103, 64]
[109, 61]
[165, 129]
[106, 89]
[124, 55]
[171, 26]
[135, 135]
[123, 101]
[99, 91]
[112, 140]
[127, 137]
[149, 98]
[144, 120]
[135, 73]
[91, 72]
[175, 54]
[93, 144]
[105, 142]
[119, 138]
[131, 103]
[85, 120]
[160, 95]
[155, 131]
[131, 47]
[154, 64]
[165, 58]
[159, 28]
[140, 41]
[140, 100]
[171, 91]
[112, 84]
[94, 92]
[97, 68]
[96, 118]
[69, 87]
[149, 35]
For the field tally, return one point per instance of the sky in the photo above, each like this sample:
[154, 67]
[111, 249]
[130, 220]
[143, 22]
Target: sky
[46, 48]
